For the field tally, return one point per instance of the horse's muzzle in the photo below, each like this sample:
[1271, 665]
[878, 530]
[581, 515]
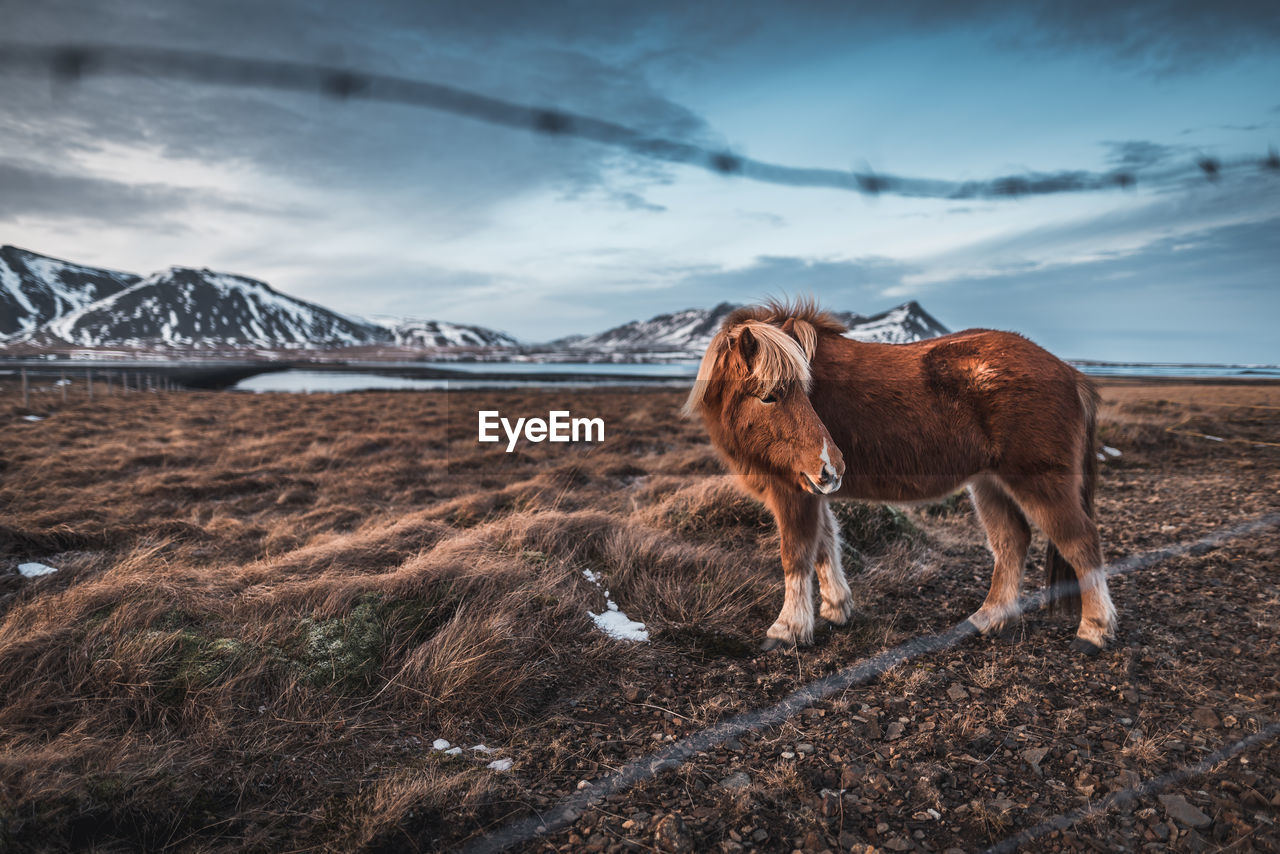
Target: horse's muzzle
[827, 483]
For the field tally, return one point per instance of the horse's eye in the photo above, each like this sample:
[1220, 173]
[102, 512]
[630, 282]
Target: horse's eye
[769, 398]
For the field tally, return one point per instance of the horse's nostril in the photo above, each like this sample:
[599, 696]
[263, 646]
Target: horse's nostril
[828, 475]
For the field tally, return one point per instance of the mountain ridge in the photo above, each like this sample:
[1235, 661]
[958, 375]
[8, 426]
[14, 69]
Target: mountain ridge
[35, 288]
[49, 302]
[690, 331]
[200, 309]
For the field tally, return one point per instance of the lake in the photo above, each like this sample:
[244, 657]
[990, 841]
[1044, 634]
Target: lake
[592, 375]
[308, 381]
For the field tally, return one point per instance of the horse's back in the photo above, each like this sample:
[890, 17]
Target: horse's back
[957, 404]
[967, 362]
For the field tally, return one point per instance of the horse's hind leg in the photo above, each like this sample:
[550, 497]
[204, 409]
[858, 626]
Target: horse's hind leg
[799, 519]
[1008, 537]
[1056, 506]
[837, 600]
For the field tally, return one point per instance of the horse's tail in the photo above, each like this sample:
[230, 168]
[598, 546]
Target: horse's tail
[1064, 586]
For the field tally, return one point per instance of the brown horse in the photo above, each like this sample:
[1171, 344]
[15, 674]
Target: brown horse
[803, 414]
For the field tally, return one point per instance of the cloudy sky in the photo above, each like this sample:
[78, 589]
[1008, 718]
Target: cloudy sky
[376, 208]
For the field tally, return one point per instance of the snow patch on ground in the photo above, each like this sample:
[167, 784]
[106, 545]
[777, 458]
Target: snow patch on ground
[1110, 451]
[443, 746]
[32, 418]
[612, 621]
[35, 570]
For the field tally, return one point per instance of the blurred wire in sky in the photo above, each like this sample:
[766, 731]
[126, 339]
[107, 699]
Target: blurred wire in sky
[72, 63]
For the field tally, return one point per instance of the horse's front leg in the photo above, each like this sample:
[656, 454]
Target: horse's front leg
[799, 517]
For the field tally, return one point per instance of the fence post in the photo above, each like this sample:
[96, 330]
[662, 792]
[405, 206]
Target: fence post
[25, 394]
[88, 382]
[62, 382]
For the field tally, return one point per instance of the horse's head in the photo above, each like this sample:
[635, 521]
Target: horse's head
[753, 394]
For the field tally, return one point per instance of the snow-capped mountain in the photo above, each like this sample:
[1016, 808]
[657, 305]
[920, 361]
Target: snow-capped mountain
[411, 332]
[682, 331]
[901, 325]
[49, 302]
[35, 289]
[689, 332]
[184, 307]
[45, 301]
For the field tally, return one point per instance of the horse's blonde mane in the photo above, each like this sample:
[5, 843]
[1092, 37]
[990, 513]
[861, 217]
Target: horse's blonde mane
[779, 360]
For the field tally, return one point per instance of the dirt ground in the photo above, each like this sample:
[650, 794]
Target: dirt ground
[268, 608]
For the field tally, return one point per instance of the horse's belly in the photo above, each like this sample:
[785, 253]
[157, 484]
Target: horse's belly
[916, 487]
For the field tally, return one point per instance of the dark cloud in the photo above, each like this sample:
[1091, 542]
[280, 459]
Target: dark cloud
[27, 190]
[1138, 153]
[31, 190]
[1167, 36]
[1197, 208]
[408, 157]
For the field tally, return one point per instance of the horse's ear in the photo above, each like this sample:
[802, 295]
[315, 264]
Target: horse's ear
[747, 345]
[803, 332]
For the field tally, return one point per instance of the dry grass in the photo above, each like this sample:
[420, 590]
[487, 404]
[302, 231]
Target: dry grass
[269, 606]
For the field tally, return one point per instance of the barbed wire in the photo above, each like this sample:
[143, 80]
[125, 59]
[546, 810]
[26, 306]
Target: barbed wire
[71, 63]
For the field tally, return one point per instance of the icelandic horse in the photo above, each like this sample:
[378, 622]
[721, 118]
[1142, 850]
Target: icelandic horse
[803, 414]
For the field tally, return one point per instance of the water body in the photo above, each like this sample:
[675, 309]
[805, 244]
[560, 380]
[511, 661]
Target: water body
[1184, 371]
[339, 381]
[620, 369]
[591, 375]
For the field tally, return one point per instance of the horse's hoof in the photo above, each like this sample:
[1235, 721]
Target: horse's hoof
[985, 626]
[837, 615]
[1086, 647]
[770, 644]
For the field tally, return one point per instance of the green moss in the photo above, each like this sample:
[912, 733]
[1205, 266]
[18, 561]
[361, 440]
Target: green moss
[211, 660]
[346, 651]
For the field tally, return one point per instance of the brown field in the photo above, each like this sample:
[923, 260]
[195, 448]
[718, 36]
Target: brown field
[268, 607]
